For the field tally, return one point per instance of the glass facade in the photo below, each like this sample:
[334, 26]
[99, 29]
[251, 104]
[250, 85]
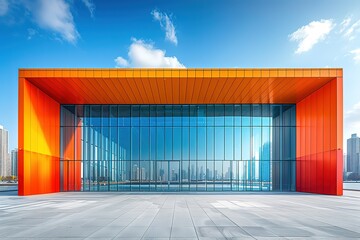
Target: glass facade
[178, 147]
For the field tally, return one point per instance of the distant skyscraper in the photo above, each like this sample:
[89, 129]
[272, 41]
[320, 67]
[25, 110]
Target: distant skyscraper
[345, 163]
[353, 151]
[265, 165]
[5, 164]
[14, 162]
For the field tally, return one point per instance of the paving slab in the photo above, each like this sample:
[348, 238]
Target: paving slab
[85, 215]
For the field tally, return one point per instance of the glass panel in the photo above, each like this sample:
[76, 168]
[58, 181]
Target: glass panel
[210, 140]
[265, 175]
[124, 143]
[286, 137]
[256, 115]
[144, 175]
[185, 115]
[152, 175]
[227, 175]
[95, 115]
[152, 115]
[185, 143]
[201, 175]
[174, 176]
[229, 115]
[229, 143]
[210, 115]
[124, 115]
[144, 115]
[245, 143]
[105, 118]
[255, 175]
[237, 115]
[177, 143]
[185, 176]
[114, 115]
[219, 143]
[218, 175]
[219, 115]
[234, 176]
[266, 147]
[162, 172]
[152, 147]
[67, 116]
[242, 175]
[144, 143]
[135, 175]
[160, 143]
[152, 143]
[193, 115]
[135, 143]
[168, 115]
[177, 115]
[201, 143]
[237, 143]
[201, 115]
[256, 143]
[193, 175]
[265, 115]
[168, 143]
[135, 113]
[193, 142]
[275, 114]
[245, 115]
[160, 115]
[210, 175]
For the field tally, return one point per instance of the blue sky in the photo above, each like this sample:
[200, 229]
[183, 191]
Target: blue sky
[246, 34]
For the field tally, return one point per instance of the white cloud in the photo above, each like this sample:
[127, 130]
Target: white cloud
[344, 24]
[352, 30]
[356, 55]
[167, 25]
[145, 55]
[55, 15]
[90, 5]
[4, 7]
[121, 62]
[309, 35]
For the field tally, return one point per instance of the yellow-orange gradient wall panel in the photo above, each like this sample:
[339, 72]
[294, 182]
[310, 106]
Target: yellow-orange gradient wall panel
[319, 140]
[39, 118]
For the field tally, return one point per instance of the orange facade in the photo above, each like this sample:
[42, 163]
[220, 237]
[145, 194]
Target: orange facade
[316, 92]
[319, 140]
[39, 124]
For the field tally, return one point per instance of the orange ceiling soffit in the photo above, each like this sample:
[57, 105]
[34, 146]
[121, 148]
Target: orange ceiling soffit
[179, 86]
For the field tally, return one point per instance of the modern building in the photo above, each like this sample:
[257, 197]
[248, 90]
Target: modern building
[5, 165]
[353, 154]
[180, 130]
[345, 163]
[14, 162]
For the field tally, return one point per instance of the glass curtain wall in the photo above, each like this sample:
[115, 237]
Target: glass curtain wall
[178, 147]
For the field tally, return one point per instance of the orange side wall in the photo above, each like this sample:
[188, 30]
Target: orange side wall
[39, 128]
[319, 152]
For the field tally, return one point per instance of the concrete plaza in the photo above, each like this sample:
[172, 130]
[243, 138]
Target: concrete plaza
[84, 215]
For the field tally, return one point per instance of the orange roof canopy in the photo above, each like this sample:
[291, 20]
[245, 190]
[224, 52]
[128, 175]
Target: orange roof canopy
[178, 86]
